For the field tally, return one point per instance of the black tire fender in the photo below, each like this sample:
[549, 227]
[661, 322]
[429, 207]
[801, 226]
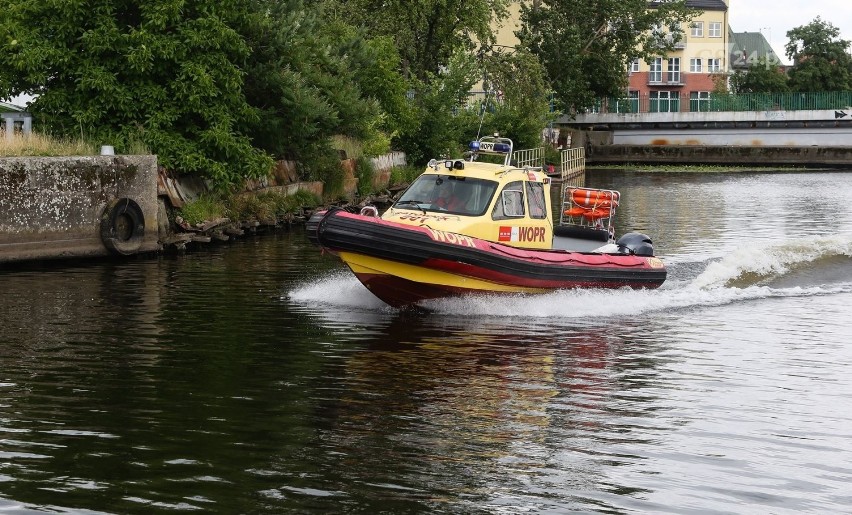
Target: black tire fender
[122, 226]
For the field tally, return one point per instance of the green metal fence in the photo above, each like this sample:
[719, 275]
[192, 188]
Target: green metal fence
[713, 102]
[781, 101]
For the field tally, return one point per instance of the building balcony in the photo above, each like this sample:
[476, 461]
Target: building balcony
[666, 81]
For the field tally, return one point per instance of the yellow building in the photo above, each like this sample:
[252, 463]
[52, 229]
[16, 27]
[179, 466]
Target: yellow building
[504, 30]
[667, 82]
[678, 81]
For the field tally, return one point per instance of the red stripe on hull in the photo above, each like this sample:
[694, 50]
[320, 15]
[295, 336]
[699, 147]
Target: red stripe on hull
[487, 274]
[399, 292]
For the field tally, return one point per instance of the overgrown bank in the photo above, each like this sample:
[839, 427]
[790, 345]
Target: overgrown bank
[215, 215]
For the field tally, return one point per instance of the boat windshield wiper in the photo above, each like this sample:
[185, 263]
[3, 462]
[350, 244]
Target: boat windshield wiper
[415, 203]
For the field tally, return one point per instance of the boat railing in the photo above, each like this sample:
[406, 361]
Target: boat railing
[589, 209]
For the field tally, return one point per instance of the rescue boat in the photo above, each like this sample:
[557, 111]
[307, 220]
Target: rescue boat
[469, 226]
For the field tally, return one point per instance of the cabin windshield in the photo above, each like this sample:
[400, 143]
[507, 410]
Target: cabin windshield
[448, 194]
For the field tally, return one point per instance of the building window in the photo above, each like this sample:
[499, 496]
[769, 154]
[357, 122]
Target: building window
[699, 101]
[715, 29]
[714, 65]
[634, 66]
[697, 29]
[665, 102]
[656, 73]
[695, 66]
[673, 77]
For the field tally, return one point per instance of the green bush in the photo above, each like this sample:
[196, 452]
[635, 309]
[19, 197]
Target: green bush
[323, 164]
[303, 198]
[551, 155]
[364, 173]
[404, 174]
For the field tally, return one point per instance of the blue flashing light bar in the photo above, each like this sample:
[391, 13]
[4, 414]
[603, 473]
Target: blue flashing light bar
[491, 147]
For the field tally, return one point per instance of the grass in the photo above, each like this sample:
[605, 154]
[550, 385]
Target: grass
[202, 209]
[267, 206]
[350, 146]
[44, 145]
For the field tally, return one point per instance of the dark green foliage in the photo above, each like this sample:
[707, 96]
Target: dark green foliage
[374, 66]
[302, 198]
[427, 32]
[434, 42]
[449, 121]
[586, 45]
[438, 133]
[523, 108]
[325, 167]
[821, 59]
[164, 72]
[301, 78]
[219, 89]
[214, 88]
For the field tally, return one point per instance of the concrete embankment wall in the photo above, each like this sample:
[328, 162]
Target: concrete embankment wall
[60, 207]
[721, 155]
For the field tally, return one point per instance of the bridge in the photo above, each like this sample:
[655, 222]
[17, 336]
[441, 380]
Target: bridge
[790, 133]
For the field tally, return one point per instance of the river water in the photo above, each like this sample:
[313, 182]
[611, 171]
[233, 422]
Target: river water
[260, 377]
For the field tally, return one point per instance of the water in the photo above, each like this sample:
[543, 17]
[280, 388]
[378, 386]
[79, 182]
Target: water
[259, 376]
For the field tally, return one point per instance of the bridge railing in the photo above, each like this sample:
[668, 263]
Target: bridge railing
[716, 102]
[573, 163]
[529, 157]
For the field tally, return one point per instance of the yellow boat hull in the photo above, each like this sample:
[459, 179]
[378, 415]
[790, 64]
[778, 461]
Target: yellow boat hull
[396, 283]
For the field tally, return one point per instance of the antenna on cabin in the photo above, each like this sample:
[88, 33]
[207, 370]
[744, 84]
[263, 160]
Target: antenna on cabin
[482, 114]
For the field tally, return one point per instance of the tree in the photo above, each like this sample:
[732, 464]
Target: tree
[586, 45]
[302, 78]
[523, 107]
[445, 47]
[821, 60]
[426, 32]
[167, 72]
[376, 69]
[760, 77]
[436, 101]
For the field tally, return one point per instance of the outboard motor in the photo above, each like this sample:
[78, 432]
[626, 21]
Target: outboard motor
[636, 243]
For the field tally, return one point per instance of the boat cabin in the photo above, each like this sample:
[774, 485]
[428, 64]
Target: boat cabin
[491, 201]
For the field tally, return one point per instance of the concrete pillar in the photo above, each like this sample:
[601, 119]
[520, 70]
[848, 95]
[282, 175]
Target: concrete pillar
[28, 125]
[10, 127]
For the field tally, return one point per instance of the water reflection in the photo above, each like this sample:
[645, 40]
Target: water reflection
[483, 414]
